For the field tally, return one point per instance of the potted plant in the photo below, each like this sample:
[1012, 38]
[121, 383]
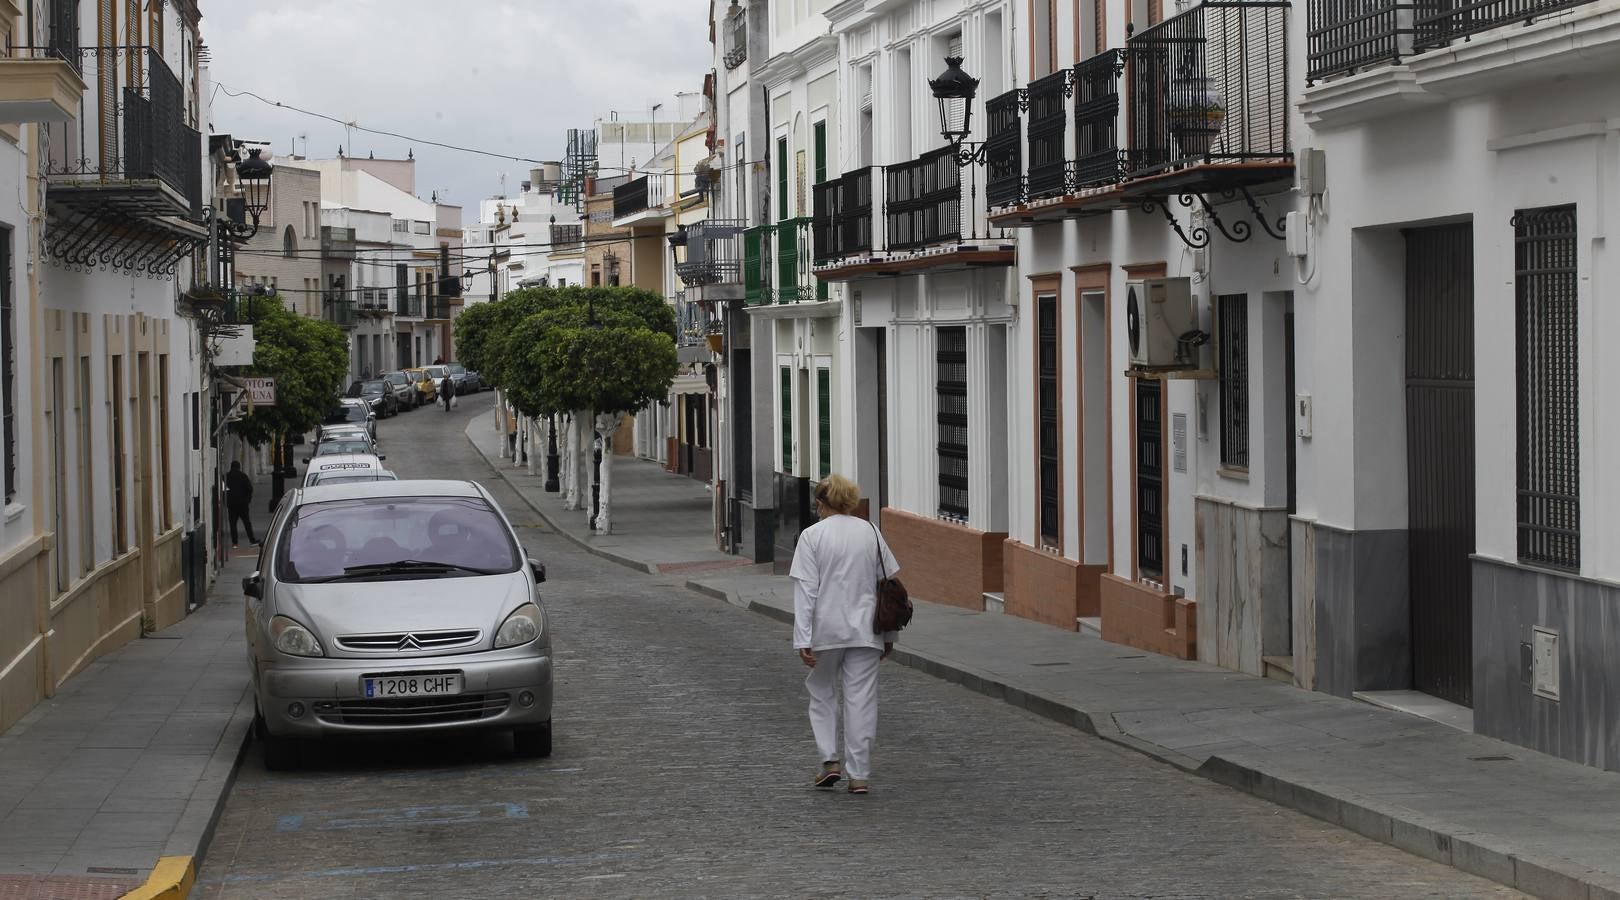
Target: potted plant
[1196, 111]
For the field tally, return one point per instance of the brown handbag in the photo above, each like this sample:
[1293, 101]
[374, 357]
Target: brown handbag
[893, 604]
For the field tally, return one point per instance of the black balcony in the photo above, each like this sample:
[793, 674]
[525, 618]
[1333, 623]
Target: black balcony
[924, 201]
[129, 150]
[338, 309]
[1048, 135]
[1004, 152]
[630, 198]
[842, 225]
[1210, 86]
[407, 304]
[713, 253]
[1439, 22]
[736, 40]
[1097, 158]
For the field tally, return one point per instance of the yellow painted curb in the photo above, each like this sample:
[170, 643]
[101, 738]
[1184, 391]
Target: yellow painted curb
[171, 879]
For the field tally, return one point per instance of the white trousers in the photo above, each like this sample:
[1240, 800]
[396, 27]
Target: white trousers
[856, 668]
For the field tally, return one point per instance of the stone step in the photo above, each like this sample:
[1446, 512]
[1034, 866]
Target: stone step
[995, 602]
[1091, 625]
[1279, 668]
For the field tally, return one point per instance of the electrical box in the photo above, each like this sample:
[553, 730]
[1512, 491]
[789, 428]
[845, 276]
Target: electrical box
[1310, 172]
[1161, 324]
[1297, 235]
[1302, 415]
[1544, 663]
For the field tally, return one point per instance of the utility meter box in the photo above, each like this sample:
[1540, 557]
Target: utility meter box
[1161, 324]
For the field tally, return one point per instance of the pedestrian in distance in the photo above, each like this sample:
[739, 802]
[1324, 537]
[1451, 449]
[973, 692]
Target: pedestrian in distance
[836, 567]
[238, 500]
[447, 392]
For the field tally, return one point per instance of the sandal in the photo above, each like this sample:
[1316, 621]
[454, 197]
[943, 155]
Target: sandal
[829, 775]
[857, 786]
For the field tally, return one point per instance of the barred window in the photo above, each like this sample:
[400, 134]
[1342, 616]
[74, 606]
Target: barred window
[1051, 506]
[952, 419]
[1233, 311]
[787, 420]
[824, 420]
[1549, 486]
[8, 365]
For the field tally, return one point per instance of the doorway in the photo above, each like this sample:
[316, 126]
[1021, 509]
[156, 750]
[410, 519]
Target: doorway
[1440, 456]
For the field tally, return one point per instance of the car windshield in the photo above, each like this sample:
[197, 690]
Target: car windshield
[457, 369]
[354, 389]
[341, 445]
[396, 378]
[394, 537]
[373, 387]
[436, 372]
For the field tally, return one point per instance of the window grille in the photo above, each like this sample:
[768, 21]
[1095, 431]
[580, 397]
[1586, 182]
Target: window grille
[1233, 310]
[824, 419]
[952, 419]
[1051, 508]
[787, 420]
[1549, 505]
[8, 364]
[1149, 480]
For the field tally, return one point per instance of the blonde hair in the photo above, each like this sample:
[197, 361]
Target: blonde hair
[838, 494]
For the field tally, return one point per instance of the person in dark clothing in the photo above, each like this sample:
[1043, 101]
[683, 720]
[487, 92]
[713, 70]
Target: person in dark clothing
[447, 391]
[238, 497]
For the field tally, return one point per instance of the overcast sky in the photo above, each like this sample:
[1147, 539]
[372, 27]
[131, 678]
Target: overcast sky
[509, 77]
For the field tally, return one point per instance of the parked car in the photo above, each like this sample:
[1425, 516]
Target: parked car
[405, 394]
[396, 608]
[343, 468]
[439, 374]
[376, 392]
[466, 382]
[427, 390]
[341, 444]
[353, 411]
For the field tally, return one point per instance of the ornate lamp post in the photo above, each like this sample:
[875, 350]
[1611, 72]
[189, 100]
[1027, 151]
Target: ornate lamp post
[955, 90]
[253, 175]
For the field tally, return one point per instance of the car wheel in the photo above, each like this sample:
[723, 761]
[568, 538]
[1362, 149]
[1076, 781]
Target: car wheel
[532, 743]
[260, 732]
[280, 754]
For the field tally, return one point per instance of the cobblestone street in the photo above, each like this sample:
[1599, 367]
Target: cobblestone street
[682, 763]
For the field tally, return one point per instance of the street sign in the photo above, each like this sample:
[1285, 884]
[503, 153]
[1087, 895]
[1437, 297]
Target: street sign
[261, 391]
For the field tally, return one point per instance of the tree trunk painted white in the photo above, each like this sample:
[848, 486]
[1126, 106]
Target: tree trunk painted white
[518, 446]
[570, 463]
[533, 432]
[604, 520]
[500, 421]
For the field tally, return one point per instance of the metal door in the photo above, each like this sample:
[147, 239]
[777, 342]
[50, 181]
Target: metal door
[1440, 456]
[1149, 479]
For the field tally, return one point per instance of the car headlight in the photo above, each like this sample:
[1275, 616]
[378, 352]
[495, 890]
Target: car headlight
[522, 626]
[294, 639]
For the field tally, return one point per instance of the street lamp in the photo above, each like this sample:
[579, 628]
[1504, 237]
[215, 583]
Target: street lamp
[253, 175]
[955, 90]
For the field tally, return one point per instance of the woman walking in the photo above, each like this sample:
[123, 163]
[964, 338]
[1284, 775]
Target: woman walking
[835, 570]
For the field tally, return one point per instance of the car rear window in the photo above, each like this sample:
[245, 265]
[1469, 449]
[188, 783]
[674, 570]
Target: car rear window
[457, 369]
[328, 448]
[351, 478]
[374, 387]
[321, 540]
[396, 378]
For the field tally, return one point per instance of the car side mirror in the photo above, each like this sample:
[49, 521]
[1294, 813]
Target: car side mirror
[306, 460]
[253, 586]
[539, 570]
[381, 457]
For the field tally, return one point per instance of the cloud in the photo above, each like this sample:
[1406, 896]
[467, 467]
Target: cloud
[509, 77]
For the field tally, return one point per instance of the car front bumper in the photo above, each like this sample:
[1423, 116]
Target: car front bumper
[330, 695]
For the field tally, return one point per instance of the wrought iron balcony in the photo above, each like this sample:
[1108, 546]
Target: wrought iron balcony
[794, 283]
[130, 151]
[713, 253]
[567, 237]
[842, 225]
[1097, 159]
[1004, 149]
[638, 196]
[1346, 36]
[736, 41]
[1210, 86]
[757, 243]
[407, 304]
[694, 321]
[924, 201]
[374, 302]
[1048, 135]
[243, 308]
[338, 309]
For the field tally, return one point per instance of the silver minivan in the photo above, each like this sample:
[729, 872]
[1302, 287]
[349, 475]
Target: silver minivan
[395, 607]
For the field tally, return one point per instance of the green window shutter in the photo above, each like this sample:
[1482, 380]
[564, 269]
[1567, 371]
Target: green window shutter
[787, 261]
[753, 269]
[781, 180]
[787, 420]
[824, 414]
[821, 152]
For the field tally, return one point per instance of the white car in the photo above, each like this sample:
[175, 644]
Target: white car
[346, 468]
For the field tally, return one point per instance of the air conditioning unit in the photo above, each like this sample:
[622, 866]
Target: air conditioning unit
[1161, 324]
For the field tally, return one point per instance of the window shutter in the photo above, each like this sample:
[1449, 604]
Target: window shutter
[787, 420]
[824, 419]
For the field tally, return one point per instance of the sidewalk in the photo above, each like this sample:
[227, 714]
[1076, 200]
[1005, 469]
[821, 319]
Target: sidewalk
[131, 760]
[1545, 826]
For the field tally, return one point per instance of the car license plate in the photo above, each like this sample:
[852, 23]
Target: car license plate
[434, 685]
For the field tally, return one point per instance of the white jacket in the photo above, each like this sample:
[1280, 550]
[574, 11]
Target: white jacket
[835, 573]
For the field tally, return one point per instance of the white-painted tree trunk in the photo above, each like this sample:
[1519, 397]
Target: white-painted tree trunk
[533, 450]
[566, 447]
[500, 422]
[604, 520]
[582, 460]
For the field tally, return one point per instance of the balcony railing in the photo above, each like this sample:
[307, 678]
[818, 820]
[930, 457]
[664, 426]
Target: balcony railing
[794, 282]
[713, 253]
[131, 134]
[736, 41]
[407, 303]
[338, 309]
[436, 307]
[842, 225]
[374, 301]
[756, 264]
[1097, 158]
[924, 201]
[1208, 85]
[565, 237]
[1351, 35]
[1439, 22]
[1048, 134]
[638, 195]
[1004, 152]
[246, 309]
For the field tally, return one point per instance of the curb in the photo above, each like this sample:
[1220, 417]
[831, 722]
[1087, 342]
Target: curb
[171, 879]
[1464, 851]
